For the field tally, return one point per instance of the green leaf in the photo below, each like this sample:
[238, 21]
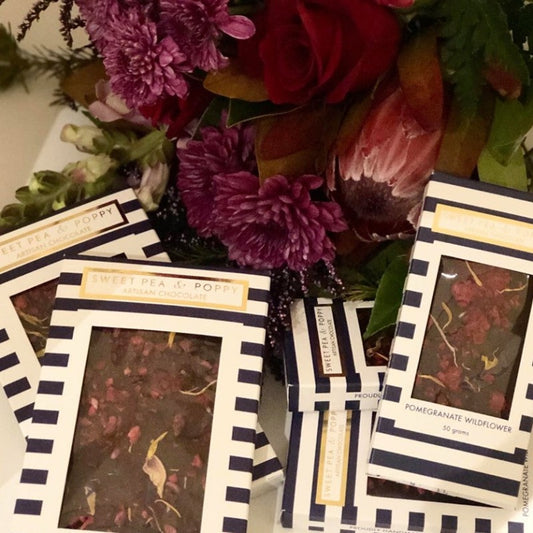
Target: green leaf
[361, 283]
[511, 123]
[356, 285]
[476, 33]
[512, 175]
[243, 111]
[388, 296]
[378, 265]
[520, 19]
[149, 149]
[211, 115]
[10, 216]
[13, 65]
[244, 7]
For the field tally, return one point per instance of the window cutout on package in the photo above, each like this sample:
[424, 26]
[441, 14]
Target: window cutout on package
[377, 346]
[34, 309]
[474, 337]
[141, 444]
[385, 488]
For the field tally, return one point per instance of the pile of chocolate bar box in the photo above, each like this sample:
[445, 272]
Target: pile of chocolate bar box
[437, 439]
[434, 439]
[84, 291]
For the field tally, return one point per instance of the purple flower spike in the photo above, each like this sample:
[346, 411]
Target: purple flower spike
[277, 223]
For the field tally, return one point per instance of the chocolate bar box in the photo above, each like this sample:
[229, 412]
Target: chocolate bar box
[112, 225]
[267, 473]
[457, 407]
[328, 365]
[146, 409]
[327, 487]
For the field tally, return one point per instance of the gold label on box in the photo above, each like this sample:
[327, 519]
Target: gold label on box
[492, 229]
[138, 286]
[60, 234]
[330, 361]
[334, 453]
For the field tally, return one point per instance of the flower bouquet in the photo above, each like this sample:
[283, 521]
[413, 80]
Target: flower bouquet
[290, 135]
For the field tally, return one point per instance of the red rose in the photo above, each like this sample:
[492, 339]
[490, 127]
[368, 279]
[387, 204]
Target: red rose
[176, 112]
[325, 47]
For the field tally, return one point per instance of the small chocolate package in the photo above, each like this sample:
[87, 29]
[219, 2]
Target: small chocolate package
[328, 365]
[267, 473]
[327, 487]
[146, 410]
[457, 407]
[112, 225]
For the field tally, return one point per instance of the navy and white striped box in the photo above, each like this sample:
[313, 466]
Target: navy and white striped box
[457, 407]
[112, 225]
[146, 408]
[327, 488]
[326, 364]
[268, 471]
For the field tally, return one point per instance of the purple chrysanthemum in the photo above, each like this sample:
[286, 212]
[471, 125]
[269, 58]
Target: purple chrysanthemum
[224, 150]
[141, 67]
[276, 223]
[97, 16]
[197, 25]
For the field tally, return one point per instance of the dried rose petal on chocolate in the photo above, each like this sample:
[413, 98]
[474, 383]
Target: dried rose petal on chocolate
[474, 337]
[145, 448]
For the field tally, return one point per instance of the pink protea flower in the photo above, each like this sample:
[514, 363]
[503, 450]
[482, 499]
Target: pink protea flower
[276, 223]
[197, 26]
[220, 151]
[141, 67]
[382, 175]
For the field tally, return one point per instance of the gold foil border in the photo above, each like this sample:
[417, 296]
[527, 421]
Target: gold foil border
[65, 244]
[442, 211]
[85, 293]
[321, 465]
[319, 359]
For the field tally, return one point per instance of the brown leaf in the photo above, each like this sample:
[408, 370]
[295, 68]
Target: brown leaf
[421, 79]
[80, 84]
[464, 138]
[506, 83]
[296, 143]
[232, 82]
[352, 123]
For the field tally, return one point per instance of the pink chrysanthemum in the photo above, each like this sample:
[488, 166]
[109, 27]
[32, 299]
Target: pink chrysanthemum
[276, 223]
[141, 67]
[97, 15]
[197, 25]
[220, 151]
